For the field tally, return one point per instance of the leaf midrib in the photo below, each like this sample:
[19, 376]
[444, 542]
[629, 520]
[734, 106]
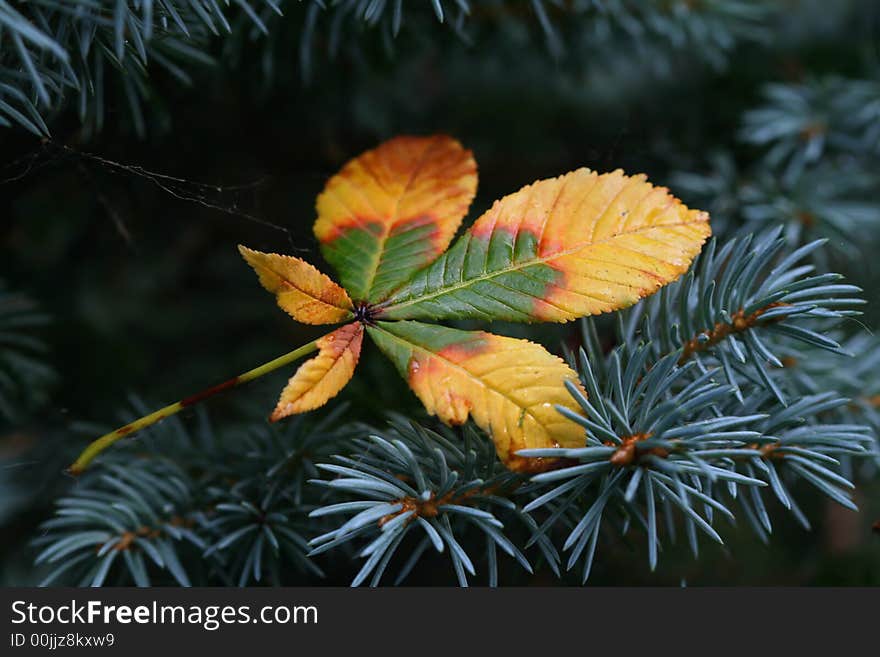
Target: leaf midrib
[293, 286]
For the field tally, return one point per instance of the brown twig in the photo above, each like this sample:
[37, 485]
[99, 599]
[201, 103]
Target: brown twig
[627, 453]
[741, 323]
[126, 539]
[430, 508]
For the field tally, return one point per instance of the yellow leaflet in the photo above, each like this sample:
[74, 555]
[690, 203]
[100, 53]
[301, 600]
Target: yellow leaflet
[302, 291]
[509, 387]
[322, 377]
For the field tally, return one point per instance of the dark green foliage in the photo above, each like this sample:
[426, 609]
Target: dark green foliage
[800, 125]
[664, 437]
[415, 481]
[765, 114]
[678, 433]
[818, 145]
[227, 509]
[739, 300]
[24, 372]
[53, 52]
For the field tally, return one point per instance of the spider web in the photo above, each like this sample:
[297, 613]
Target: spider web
[228, 199]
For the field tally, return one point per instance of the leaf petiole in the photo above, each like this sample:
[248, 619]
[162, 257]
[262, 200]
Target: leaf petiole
[105, 441]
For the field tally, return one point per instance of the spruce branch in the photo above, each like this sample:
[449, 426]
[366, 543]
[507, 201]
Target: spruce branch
[664, 440]
[80, 52]
[230, 507]
[739, 300]
[138, 514]
[416, 484]
[257, 527]
[800, 124]
[831, 200]
[814, 165]
[53, 50]
[813, 371]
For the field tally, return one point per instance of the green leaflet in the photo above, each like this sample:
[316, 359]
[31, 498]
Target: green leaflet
[495, 279]
[559, 249]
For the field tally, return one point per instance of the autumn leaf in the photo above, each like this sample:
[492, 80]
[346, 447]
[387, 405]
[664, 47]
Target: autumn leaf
[510, 387]
[556, 250]
[393, 210]
[322, 377]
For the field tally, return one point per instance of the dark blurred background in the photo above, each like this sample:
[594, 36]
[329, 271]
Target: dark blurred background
[124, 237]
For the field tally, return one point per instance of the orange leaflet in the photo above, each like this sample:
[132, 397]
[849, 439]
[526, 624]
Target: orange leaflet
[322, 377]
[302, 291]
[640, 238]
[392, 210]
